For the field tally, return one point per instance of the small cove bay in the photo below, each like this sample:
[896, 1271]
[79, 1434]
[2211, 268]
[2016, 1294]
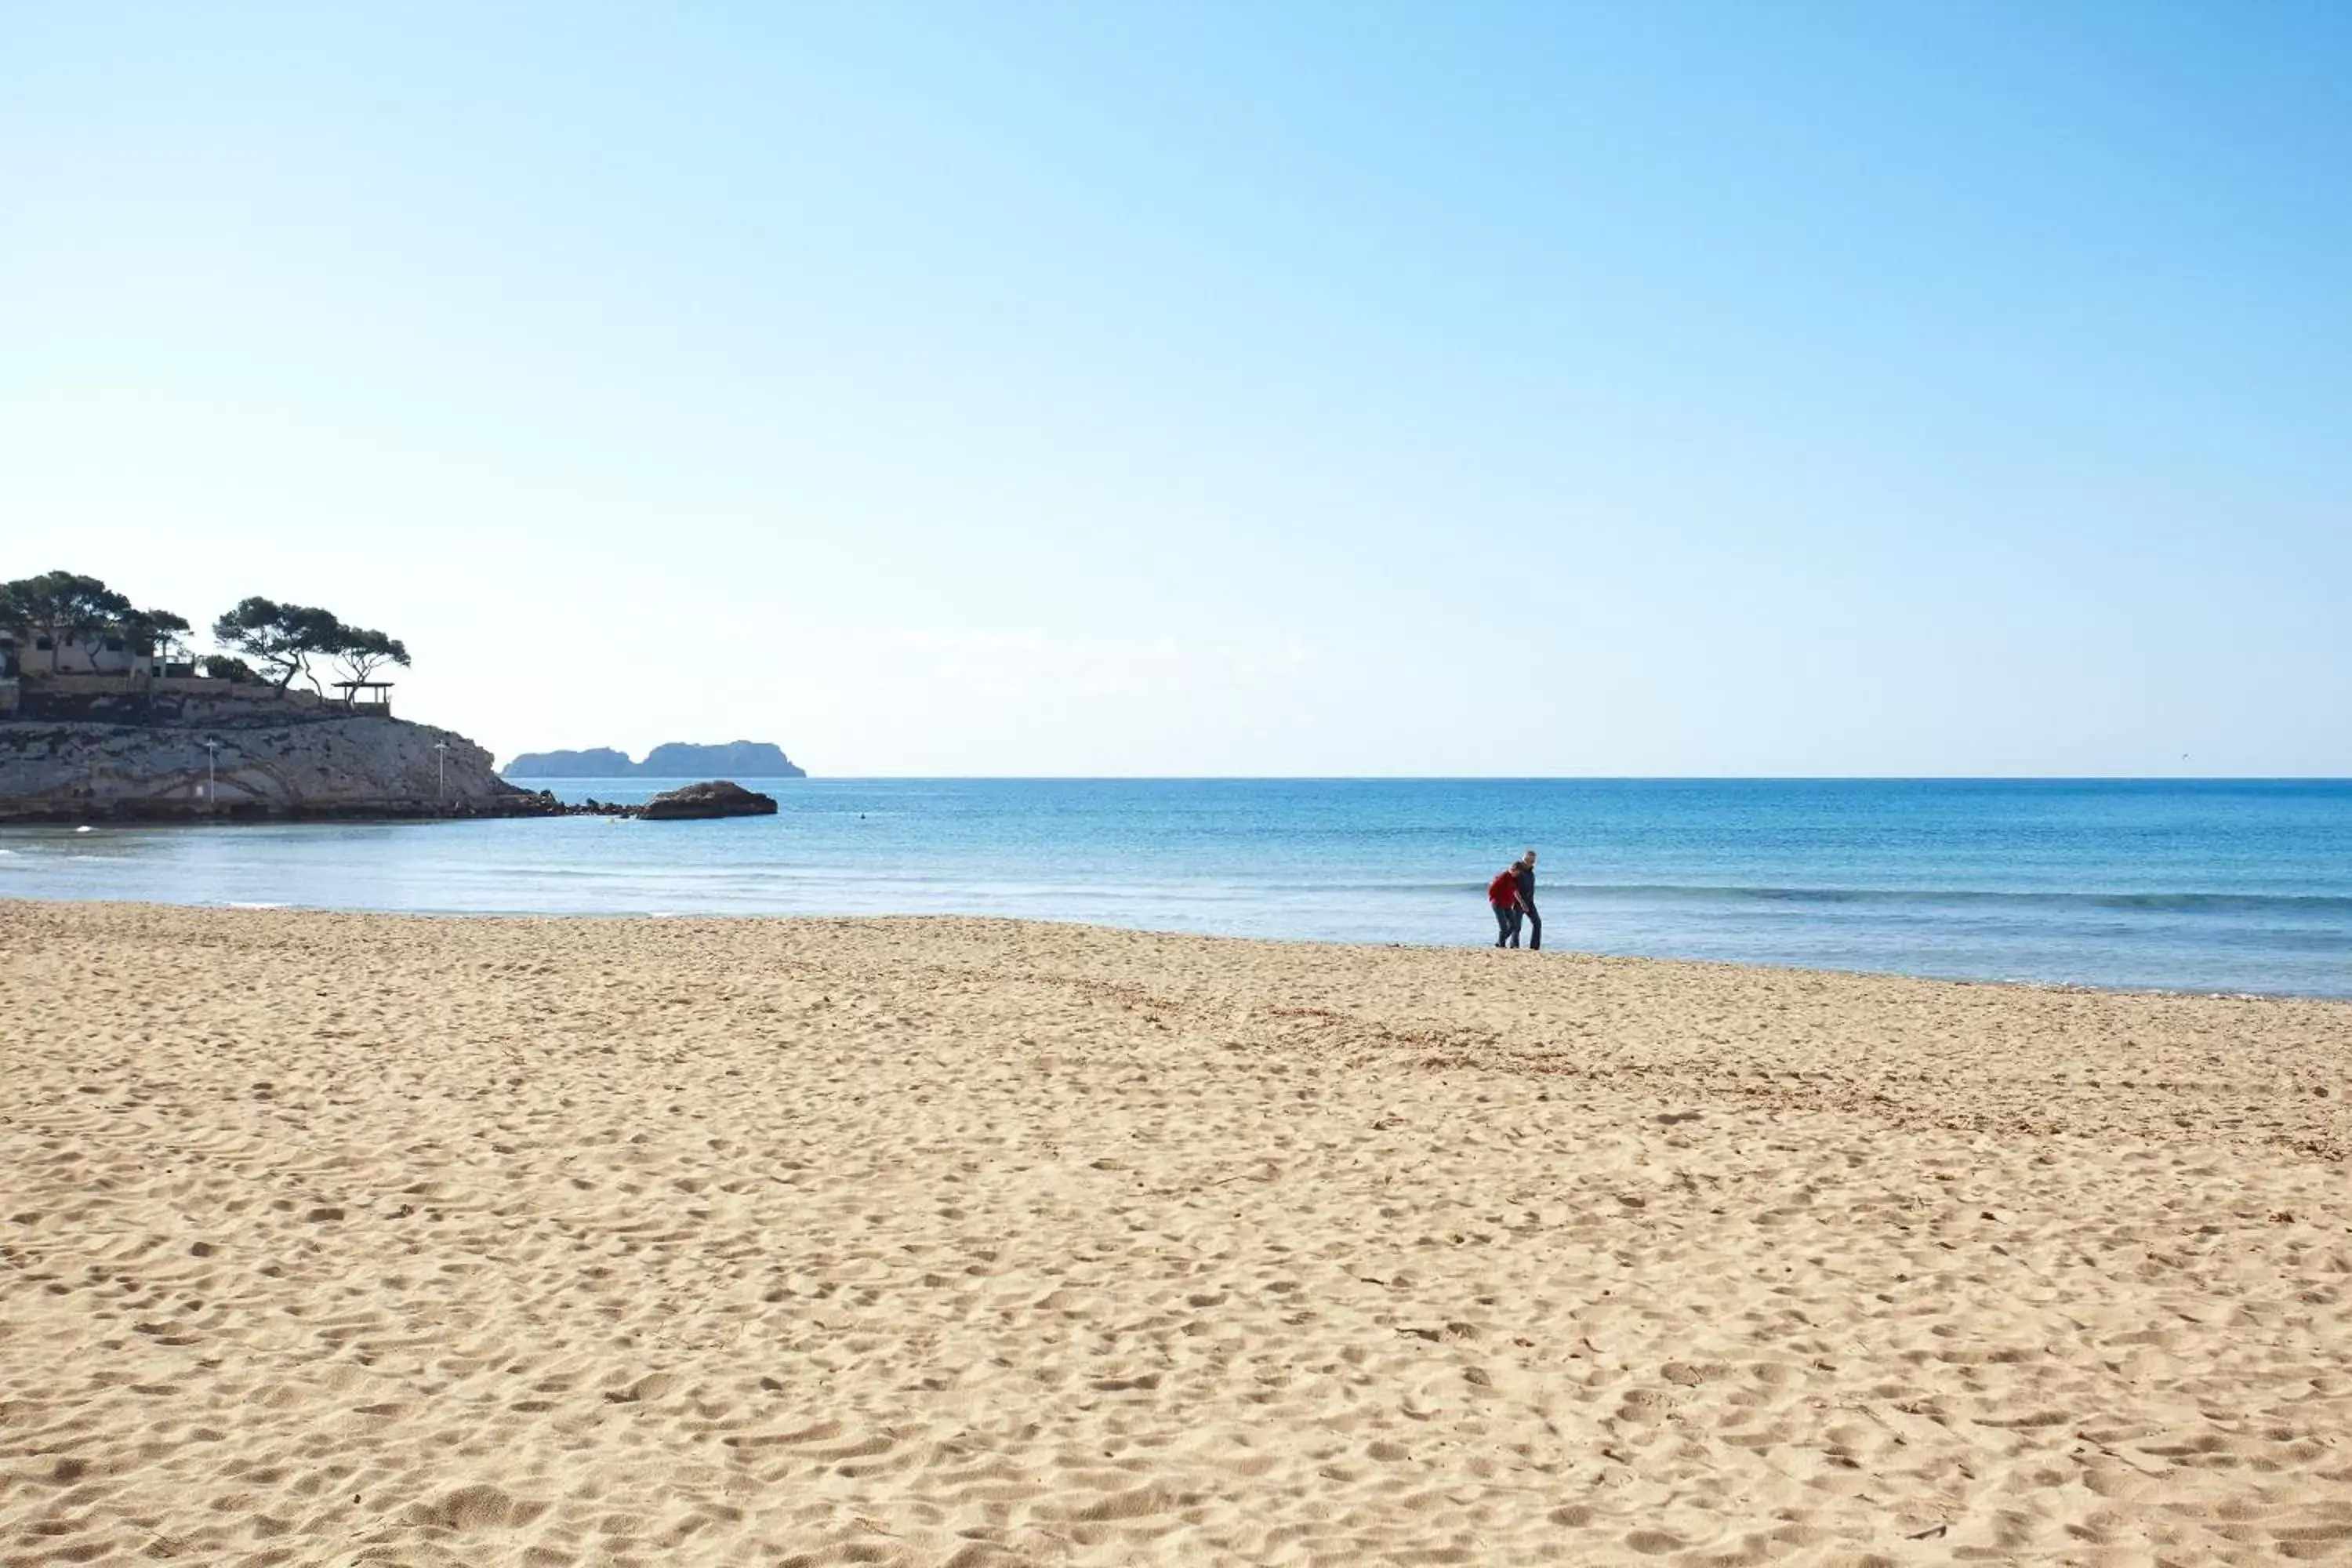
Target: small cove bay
[2239, 886]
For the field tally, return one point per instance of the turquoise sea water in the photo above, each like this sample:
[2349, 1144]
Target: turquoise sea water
[2208, 886]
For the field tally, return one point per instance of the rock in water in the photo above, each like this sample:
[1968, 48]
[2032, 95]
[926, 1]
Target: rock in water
[720, 798]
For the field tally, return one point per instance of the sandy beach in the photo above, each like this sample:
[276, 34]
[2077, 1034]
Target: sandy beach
[335, 1238]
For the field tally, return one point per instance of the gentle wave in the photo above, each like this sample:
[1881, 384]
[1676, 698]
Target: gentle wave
[2247, 903]
[2250, 903]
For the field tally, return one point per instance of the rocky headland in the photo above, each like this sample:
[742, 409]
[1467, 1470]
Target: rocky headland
[107, 715]
[254, 755]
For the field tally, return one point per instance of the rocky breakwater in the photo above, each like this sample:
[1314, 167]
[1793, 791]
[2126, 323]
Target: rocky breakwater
[270, 760]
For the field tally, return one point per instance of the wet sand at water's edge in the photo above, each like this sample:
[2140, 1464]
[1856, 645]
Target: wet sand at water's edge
[341, 1239]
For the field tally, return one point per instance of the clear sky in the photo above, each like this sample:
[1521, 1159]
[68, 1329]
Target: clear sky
[1754, 388]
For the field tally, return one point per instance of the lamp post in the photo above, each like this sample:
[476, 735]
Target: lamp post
[212, 773]
[442, 747]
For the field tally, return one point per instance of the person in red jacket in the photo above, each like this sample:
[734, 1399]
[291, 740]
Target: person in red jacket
[1503, 894]
[1529, 919]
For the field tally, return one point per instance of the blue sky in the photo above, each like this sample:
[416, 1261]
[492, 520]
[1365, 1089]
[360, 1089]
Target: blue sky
[1304, 389]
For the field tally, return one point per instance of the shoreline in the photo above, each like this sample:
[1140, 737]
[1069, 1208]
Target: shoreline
[954, 917]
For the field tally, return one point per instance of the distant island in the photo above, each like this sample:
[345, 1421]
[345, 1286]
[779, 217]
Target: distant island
[677, 759]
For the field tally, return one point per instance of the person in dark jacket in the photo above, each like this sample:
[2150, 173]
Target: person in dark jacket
[1524, 873]
[1502, 896]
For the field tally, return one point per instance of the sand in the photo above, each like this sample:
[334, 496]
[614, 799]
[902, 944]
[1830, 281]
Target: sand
[364, 1239]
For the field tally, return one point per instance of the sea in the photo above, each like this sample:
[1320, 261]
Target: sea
[2205, 885]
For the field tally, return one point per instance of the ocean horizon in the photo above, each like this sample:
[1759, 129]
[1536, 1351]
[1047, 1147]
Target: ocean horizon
[2214, 885]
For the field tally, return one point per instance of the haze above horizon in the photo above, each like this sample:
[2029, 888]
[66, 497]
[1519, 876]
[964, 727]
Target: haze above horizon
[1310, 390]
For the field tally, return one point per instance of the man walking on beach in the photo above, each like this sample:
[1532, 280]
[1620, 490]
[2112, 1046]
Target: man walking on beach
[1524, 874]
[1503, 893]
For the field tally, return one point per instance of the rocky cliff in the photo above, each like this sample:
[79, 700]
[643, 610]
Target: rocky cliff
[266, 760]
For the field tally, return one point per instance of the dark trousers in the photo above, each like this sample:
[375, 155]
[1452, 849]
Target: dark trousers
[1535, 926]
[1506, 922]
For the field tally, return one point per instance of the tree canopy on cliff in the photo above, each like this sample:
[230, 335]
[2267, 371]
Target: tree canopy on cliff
[362, 652]
[284, 639]
[67, 606]
[281, 639]
[61, 603]
[156, 631]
